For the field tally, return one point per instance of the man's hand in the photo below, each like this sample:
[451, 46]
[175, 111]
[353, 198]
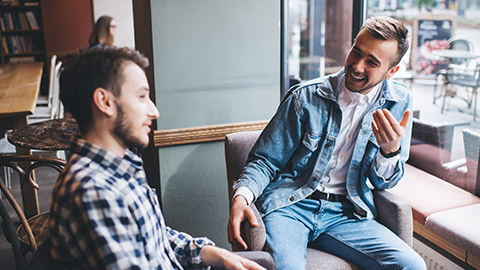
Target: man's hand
[214, 256]
[239, 212]
[387, 129]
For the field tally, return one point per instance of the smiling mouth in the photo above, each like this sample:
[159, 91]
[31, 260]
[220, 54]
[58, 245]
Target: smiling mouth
[356, 77]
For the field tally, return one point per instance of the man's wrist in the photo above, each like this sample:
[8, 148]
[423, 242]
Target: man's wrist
[391, 154]
[242, 198]
[246, 193]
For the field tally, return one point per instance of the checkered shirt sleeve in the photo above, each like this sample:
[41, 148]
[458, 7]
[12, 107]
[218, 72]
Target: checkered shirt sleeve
[105, 216]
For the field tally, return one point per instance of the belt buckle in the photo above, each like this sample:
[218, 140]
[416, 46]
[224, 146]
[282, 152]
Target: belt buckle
[328, 197]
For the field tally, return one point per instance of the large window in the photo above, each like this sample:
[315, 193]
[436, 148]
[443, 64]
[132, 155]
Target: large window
[439, 79]
[319, 35]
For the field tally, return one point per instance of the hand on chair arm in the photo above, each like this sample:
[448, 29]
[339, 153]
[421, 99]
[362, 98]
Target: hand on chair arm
[239, 212]
[214, 256]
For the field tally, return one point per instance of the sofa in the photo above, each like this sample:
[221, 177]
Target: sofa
[444, 201]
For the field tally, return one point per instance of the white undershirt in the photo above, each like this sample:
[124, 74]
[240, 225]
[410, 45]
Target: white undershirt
[354, 107]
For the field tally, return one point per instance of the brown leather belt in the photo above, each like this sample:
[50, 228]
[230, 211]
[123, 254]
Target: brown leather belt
[317, 195]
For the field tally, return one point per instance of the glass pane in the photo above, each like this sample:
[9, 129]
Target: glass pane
[318, 41]
[442, 70]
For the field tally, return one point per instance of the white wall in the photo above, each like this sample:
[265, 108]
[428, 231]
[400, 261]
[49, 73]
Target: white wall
[122, 12]
[216, 62]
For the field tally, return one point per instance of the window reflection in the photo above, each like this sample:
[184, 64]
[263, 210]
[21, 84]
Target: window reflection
[314, 49]
[444, 84]
[444, 88]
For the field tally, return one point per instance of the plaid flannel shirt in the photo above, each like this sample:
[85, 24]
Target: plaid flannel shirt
[105, 216]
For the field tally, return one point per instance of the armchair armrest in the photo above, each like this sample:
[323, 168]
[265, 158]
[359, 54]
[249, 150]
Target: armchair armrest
[261, 257]
[394, 213]
[255, 237]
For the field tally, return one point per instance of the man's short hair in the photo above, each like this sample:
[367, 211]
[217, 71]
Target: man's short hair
[96, 67]
[387, 28]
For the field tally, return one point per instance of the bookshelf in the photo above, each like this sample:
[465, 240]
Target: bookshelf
[22, 35]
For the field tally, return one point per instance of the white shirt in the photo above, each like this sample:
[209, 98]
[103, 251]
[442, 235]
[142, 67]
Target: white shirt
[354, 107]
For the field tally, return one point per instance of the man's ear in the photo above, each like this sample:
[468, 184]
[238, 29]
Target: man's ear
[392, 72]
[103, 100]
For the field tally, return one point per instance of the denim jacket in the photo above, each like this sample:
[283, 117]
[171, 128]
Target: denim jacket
[291, 154]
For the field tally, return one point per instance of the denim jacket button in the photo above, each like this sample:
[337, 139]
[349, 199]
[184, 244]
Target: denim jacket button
[292, 198]
[328, 144]
[315, 179]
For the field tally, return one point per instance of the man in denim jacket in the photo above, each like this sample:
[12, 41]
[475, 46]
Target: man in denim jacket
[308, 171]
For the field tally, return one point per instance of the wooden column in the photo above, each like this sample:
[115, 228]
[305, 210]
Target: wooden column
[338, 31]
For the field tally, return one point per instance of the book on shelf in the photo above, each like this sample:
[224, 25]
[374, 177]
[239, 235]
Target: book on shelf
[4, 45]
[23, 45]
[16, 21]
[31, 20]
[9, 3]
[23, 20]
[9, 21]
[13, 45]
[30, 4]
[2, 24]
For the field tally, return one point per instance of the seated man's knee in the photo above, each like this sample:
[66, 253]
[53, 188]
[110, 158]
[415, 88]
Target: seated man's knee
[410, 260]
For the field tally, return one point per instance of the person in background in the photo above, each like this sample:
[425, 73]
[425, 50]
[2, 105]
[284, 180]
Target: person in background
[103, 214]
[308, 171]
[103, 32]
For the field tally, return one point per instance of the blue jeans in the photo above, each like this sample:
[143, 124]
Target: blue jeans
[332, 227]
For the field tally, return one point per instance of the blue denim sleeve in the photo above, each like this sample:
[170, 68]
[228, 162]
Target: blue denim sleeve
[379, 181]
[275, 145]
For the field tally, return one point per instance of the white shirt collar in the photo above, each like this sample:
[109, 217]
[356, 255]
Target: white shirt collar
[347, 96]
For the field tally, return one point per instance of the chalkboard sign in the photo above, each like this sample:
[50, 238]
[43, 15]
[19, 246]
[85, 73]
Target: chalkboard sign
[430, 32]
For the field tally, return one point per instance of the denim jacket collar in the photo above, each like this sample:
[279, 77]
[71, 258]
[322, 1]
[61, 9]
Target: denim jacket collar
[329, 88]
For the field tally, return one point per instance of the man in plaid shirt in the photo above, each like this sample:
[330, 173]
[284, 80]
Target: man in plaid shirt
[103, 214]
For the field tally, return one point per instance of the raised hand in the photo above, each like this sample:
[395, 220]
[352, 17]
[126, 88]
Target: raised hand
[388, 130]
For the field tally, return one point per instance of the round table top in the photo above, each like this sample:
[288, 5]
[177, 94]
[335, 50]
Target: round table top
[50, 135]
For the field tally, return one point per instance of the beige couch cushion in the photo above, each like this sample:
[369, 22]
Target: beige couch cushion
[460, 226]
[428, 194]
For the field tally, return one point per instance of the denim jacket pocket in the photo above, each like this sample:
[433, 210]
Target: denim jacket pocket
[310, 141]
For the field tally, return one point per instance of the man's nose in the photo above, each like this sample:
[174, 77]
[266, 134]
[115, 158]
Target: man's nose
[153, 112]
[359, 65]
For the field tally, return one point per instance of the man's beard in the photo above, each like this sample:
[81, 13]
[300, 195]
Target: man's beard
[123, 131]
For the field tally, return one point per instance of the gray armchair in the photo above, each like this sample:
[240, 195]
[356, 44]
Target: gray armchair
[431, 147]
[471, 142]
[393, 212]
[431, 150]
